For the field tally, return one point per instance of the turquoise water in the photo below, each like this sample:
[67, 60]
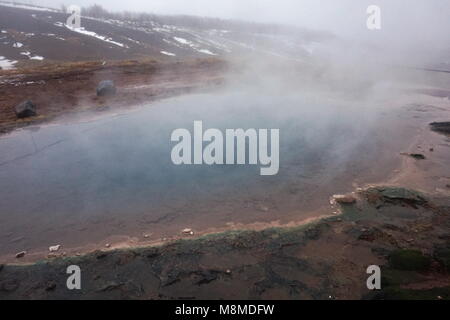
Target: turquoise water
[89, 180]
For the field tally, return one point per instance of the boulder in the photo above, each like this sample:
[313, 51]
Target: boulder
[54, 248]
[344, 199]
[394, 195]
[25, 109]
[21, 254]
[417, 156]
[443, 127]
[106, 88]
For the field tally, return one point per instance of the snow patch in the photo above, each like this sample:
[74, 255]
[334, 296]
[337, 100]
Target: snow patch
[37, 58]
[6, 64]
[183, 41]
[28, 54]
[27, 7]
[168, 53]
[95, 35]
[205, 51]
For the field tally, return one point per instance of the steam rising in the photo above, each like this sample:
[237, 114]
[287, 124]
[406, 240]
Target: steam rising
[336, 110]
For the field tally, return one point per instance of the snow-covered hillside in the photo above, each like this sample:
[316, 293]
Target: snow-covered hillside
[36, 33]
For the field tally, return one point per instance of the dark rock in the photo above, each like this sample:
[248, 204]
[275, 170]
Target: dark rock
[392, 227]
[50, 286]
[375, 234]
[25, 109]
[411, 260]
[442, 127]
[100, 254]
[445, 236]
[21, 254]
[106, 88]
[417, 156]
[206, 277]
[442, 255]
[344, 199]
[152, 253]
[9, 285]
[370, 235]
[314, 232]
[394, 195]
[110, 286]
[102, 108]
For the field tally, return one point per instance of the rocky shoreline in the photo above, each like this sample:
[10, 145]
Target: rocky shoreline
[401, 230]
[60, 90]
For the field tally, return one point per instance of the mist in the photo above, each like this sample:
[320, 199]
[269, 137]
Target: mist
[403, 21]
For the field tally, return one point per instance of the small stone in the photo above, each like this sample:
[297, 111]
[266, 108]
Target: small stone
[108, 245]
[431, 149]
[417, 156]
[50, 286]
[344, 199]
[106, 88]
[54, 248]
[9, 285]
[110, 286]
[25, 109]
[228, 271]
[102, 108]
[21, 254]
[146, 236]
[448, 186]
[187, 231]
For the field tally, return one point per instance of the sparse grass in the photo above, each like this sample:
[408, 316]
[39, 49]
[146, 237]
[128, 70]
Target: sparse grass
[52, 67]
[409, 260]
[396, 293]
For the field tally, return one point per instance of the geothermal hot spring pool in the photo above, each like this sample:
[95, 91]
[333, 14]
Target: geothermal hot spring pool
[111, 178]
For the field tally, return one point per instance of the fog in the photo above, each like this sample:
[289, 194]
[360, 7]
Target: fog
[408, 20]
[413, 32]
